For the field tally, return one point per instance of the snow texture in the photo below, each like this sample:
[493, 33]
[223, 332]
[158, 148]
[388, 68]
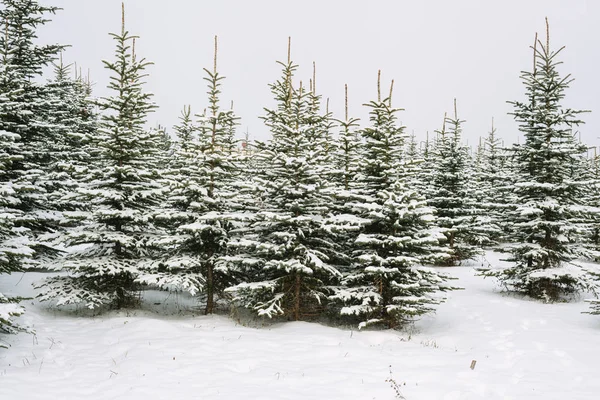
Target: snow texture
[524, 350]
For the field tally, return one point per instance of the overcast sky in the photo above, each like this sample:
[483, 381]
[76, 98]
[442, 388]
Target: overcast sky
[435, 50]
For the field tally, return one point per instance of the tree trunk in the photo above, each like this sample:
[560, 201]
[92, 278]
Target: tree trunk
[547, 245]
[297, 297]
[210, 293]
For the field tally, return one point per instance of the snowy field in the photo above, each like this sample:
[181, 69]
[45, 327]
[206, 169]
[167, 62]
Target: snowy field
[523, 350]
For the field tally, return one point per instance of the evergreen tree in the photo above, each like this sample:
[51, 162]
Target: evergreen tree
[488, 185]
[70, 120]
[495, 182]
[347, 151]
[22, 104]
[287, 251]
[21, 198]
[450, 193]
[319, 128]
[15, 245]
[426, 172]
[547, 220]
[345, 172]
[585, 170]
[200, 201]
[117, 235]
[413, 165]
[169, 271]
[592, 199]
[388, 283]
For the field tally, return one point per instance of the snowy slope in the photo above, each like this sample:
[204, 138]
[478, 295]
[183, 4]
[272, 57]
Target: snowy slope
[524, 350]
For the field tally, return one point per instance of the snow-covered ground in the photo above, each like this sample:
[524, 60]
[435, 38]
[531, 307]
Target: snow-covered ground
[523, 350]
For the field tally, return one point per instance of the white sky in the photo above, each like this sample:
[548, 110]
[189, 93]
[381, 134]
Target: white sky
[435, 50]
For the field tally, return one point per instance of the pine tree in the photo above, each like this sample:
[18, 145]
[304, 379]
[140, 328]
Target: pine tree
[451, 194]
[171, 270]
[23, 101]
[15, 246]
[496, 181]
[549, 212]
[344, 174]
[70, 120]
[319, 128]
[287, 250]
[488, 185]
[117, 235]
[426, 173]
[592, 199]
[21, 198]
[347, 151]
[200, 200]
[388, 284]
[414, 165]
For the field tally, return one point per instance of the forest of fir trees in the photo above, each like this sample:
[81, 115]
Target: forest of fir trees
[331, 219]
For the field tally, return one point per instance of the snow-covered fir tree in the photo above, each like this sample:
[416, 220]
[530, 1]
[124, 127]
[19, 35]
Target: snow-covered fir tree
[22, 108]
[414, 160]
[592, 199]
[69, 119]
[388, 284]
[594, 273]
[548, 218]
[450, 192]
[488, 186]
[319, 127]
[200, 209]
[287, 251]
[344, 174]
[494, 182]
[22, 199]
[168, 271]
[15, 245]
[584, 170]
[347, 151]
[117, 235]
[426, 168]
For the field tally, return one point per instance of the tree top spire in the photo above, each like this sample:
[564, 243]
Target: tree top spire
[215, 56]
[547, 35]
[455, 110]
[535, 53]
[314, 79]
[346, 100]
[123, 18]
[378, 85]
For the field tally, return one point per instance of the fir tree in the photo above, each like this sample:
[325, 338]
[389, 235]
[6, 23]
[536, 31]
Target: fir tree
[548, 216]
[451, 194]
[414, 161]
[344, 173]
[287, 250]
[170, 271]
[15, 246]
[388, 284]
[495, 178]
[492, 186]
[117, 235]
[347, 151]
[427, 167]
[21, 198]
[23, 103]
[319, 128]
[592, 199]
[200, 200]
[70, 120]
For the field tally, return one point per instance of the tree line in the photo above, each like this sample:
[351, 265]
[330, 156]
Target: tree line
[329, 218]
